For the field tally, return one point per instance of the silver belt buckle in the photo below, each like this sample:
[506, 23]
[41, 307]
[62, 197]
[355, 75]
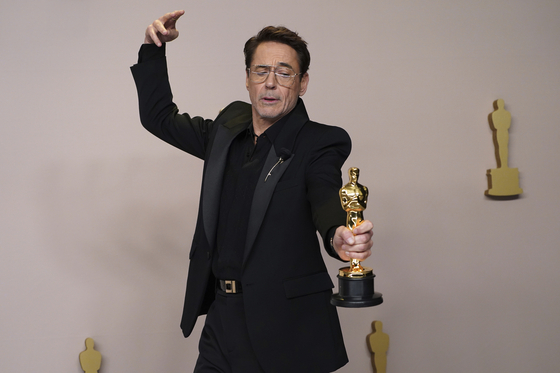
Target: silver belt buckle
[230, 286]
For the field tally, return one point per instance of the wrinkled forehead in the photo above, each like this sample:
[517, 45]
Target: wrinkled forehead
[275, 54]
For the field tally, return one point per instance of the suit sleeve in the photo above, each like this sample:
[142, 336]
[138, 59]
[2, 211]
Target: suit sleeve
[324, 180]
[158, 112]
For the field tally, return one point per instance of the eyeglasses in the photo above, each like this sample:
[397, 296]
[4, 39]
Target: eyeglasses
[285, 76]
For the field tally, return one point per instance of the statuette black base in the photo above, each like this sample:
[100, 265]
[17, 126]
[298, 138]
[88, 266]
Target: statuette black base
[356, 292]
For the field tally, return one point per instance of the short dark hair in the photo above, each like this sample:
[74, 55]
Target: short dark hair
[282, 35]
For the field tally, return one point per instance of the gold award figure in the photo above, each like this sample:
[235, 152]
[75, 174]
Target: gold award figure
[378, 343]
[353, 197]
[90, 359]
[355, 282]
[502, 181]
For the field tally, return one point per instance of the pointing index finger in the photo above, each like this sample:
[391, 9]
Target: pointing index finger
[172, 16]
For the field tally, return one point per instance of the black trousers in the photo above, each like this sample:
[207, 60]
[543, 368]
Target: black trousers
[224, 345]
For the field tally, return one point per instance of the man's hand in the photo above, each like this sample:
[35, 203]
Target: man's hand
[163, 30]
[354, 244]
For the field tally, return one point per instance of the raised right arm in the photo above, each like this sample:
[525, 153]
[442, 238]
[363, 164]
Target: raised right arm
[158, 112]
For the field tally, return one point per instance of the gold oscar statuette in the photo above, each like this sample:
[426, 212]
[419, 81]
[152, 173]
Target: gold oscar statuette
[355, 282]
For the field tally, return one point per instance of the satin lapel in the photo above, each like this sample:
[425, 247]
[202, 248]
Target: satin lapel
[263, 191]
[213, 177]
[263, 195]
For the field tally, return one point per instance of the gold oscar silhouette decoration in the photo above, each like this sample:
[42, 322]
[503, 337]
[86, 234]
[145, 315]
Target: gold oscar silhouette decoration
[355, 283]
[502, 181]
[90, 359]
[378, 344]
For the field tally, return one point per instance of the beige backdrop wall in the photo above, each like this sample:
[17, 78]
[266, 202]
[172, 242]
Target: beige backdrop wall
[96, 215]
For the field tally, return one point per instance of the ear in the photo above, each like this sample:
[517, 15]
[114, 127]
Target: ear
[247, 80]
[303, 84]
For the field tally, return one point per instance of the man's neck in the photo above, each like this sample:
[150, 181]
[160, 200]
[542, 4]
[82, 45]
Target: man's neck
[260, 125]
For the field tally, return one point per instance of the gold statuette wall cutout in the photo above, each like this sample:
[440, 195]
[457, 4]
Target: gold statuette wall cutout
[502, 181]
[355, 283]
[90, 359]
[378, 343]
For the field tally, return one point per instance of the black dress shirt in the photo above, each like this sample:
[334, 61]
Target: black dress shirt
[246, 158]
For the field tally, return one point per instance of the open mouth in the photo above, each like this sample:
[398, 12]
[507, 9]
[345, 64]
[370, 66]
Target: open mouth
[269, 100]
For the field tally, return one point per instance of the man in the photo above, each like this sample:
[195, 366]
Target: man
[270, 181]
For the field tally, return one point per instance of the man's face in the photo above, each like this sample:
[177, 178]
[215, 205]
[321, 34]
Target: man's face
[270, 100]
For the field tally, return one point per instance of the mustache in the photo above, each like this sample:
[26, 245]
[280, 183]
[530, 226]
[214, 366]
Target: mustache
[269, 95]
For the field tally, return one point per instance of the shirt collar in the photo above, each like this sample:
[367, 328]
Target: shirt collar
[273, 131]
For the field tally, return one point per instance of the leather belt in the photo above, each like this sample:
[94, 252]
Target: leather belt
[230, 286]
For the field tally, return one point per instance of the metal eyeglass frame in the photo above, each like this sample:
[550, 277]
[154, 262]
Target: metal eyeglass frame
[293, 77]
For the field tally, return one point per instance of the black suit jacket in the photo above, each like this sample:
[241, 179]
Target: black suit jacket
[286, 288]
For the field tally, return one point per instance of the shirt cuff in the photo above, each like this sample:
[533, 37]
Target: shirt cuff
[329, 242]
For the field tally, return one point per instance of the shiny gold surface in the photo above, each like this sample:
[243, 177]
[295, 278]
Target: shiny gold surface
[353, 197]
[355, 271]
